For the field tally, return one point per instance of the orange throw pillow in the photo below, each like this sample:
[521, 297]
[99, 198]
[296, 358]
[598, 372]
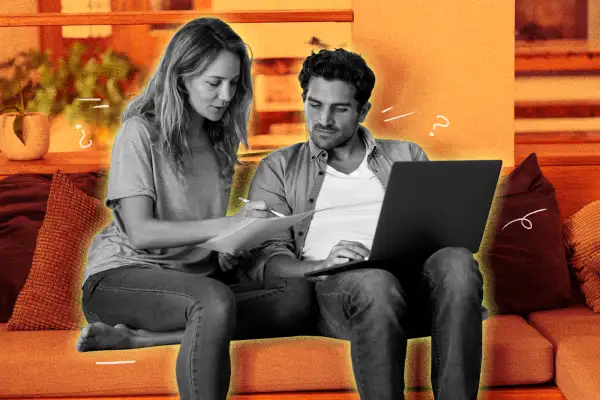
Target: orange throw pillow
[51, 296]
[582, 238]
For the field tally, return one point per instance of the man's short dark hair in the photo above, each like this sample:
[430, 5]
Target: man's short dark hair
[341, 65]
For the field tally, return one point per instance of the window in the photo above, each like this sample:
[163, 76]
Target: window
[551, 19]
[85, 6]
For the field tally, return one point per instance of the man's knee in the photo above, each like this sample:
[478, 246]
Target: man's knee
[454, 269]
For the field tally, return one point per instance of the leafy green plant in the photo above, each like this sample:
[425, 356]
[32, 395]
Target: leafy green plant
[107, 76]
[18, 121]
[18, 77]
[53, 86]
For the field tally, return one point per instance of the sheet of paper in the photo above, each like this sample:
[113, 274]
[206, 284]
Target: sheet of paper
[251, 233]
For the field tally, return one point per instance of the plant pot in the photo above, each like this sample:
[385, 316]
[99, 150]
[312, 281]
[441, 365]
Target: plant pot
[36, 130]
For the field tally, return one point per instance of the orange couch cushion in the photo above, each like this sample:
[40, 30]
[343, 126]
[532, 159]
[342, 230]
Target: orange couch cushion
[577, 361]
[564, 323]
[50, 298]
[514, 354]
[575, 333]
[45, 363]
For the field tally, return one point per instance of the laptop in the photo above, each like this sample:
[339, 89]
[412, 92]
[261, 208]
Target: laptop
[429, 205]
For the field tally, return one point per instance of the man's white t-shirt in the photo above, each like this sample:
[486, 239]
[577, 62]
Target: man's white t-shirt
[351, 204]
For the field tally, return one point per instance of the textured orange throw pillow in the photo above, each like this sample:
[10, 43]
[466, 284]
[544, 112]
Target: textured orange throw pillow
[51, 296]
[582, 238]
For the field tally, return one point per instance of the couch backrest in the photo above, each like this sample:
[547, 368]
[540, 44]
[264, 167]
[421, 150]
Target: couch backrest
[575, 185]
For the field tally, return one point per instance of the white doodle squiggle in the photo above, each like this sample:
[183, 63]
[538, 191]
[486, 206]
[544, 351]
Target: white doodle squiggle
[114, 362]
[399, 116]
[83, 136]
[524, 219]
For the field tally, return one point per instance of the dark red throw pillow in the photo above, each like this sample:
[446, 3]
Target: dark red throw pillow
[23, 201]
[526, 258]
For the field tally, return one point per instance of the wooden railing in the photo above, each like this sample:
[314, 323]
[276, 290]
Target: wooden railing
[559, 148]
[557, 57]
[557, 109]
[172, 17]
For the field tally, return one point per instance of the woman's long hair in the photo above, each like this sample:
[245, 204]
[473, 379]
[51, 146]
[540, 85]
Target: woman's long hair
[164, 102]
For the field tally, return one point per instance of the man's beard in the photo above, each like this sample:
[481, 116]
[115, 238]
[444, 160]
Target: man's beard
[334, 137]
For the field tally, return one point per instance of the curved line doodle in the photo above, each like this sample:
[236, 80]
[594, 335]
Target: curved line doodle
[524, 219]
[83, 136]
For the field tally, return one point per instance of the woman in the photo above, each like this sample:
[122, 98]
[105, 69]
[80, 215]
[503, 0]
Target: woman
[147, 281]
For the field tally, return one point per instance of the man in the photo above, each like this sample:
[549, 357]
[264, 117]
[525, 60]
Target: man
[343, 169]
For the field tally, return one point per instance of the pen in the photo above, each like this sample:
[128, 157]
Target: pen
[270, 210]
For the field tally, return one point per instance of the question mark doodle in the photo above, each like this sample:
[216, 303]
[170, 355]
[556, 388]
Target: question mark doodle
[438, 124]
[82, 136]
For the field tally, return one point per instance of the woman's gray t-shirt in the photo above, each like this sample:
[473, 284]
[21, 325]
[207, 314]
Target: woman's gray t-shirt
[138, 169]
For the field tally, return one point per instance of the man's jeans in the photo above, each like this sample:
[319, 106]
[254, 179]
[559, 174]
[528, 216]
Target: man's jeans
[377, 311]
[211, 313]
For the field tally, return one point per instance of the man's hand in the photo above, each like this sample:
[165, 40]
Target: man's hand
[227, 261]
[342, 253]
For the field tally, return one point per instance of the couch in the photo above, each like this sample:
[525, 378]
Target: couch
[549, 354]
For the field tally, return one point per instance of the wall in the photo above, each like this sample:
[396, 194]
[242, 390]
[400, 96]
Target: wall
[284, 40]
[553, 88]
[15, 40]
[454, 59]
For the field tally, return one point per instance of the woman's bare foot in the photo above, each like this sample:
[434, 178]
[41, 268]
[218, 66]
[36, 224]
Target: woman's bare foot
[100, 336]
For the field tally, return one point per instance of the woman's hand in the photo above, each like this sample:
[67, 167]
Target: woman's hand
[227, 261]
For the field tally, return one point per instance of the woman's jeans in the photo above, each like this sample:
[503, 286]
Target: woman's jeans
[211, 312]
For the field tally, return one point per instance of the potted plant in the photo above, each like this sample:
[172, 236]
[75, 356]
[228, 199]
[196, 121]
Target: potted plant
[65, 87]
[24, 135]
[56, 87]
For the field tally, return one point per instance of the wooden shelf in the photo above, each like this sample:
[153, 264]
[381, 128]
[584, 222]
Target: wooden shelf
[84, 161]
[172, 17]
[81, 161]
